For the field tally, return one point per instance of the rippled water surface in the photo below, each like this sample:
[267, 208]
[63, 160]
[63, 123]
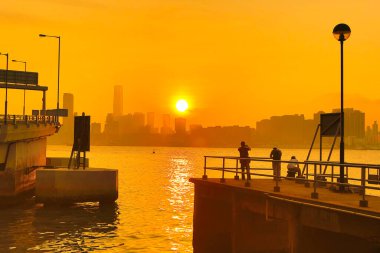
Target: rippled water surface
[153, 212]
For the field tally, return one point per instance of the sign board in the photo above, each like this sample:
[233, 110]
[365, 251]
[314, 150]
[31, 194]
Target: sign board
[330, 124]
[81, 133]
[19, 77]
[53, 112]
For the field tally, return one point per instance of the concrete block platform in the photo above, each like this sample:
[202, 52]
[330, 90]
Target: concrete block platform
[63, 162]
[64, 185]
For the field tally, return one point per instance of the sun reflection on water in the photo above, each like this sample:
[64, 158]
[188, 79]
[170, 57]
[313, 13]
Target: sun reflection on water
[179, 188]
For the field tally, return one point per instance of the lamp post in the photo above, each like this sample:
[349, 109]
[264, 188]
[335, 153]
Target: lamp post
[23, 109]
[59, 63]
[341, 32]
[6, 90]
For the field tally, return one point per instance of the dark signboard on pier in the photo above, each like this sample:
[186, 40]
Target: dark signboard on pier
[330, 124]
[81, 133]
[19, 77]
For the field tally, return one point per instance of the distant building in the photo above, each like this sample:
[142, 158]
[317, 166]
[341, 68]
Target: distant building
[96, 128]
[65, 135]
[228, 136]
[139, 120]
[111, 130]
[180, 125]
[375, 132]
[195, 128]
[372, 134]
[166, 129]
[118, 100]
[150, 120]
[68, 122]
[95, 133]
[286, 130]
[354, 122]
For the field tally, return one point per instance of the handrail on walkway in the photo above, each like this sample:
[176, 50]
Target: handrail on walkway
[358, 176]
[28, 119]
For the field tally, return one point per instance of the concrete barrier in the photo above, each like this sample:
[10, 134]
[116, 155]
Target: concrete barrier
[76, 185]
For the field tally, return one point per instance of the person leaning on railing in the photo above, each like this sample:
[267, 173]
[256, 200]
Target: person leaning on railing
[244, 163]
[293, 167]
[276, 154]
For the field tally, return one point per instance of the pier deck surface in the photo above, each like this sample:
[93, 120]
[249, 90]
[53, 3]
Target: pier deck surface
[291, 190]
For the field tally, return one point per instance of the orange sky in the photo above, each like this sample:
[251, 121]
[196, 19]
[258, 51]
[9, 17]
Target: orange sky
[236, 62]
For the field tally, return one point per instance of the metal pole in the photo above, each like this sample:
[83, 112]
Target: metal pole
[204, 177]
[341, 177]
[6, 91]
[59, 63]
[23, 109]
[222, 180]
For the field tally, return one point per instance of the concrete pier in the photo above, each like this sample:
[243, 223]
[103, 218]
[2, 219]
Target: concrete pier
[76, 185]
[229, 217]
[22, 150]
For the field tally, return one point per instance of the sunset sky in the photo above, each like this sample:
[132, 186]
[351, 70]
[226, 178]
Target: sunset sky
[235, 62]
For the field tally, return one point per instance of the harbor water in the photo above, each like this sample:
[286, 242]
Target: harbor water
[153, 212]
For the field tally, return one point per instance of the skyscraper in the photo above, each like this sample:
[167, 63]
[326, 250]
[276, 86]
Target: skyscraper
[68, 122]
[165, 129]
[118, 100]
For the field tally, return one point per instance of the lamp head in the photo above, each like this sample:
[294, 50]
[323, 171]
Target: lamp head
[342, 32]
[42, 35]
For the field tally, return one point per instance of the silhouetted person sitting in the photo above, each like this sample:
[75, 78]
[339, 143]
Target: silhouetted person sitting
[244, 164]
[276, 164]
[293, 167]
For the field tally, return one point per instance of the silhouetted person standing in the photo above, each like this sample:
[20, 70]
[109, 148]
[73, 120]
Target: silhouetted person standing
[276, 164]
[244, 164]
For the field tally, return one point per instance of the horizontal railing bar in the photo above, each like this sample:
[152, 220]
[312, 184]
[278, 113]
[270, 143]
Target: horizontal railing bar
[264, 159]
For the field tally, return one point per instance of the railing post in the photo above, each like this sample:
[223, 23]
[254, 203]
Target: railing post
[307, 183]
[332, 187]
[278, 172]
[237, 169]
[204, 177]
[247, 183]
[222, 180]
[14, 119]
[363, 202]
[314, 194]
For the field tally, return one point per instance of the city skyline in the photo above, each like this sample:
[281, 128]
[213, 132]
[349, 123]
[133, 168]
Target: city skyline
[294, 131]
[140, 128]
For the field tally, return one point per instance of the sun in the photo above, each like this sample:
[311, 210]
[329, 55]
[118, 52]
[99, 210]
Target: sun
[182, 105]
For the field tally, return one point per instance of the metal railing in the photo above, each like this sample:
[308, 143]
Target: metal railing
[27, 119]
[358, 177]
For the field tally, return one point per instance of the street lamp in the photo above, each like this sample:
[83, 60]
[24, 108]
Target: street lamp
[23, 109]
[341, 32]
[59, 63]
[6, 90]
